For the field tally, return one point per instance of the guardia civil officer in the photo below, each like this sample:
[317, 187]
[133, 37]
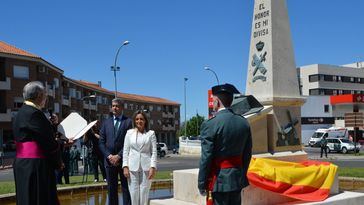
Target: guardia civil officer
[226, 151]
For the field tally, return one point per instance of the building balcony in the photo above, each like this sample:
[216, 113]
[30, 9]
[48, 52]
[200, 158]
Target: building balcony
[171, 115]
[168, 115]
[6, 117]
[164, 115]
[66, 100]
[168, 128]
[5, 85]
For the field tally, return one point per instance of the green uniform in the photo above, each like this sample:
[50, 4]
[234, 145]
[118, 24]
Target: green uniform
[225, 135]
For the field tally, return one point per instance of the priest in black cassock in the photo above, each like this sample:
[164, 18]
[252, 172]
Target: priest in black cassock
[37, 152]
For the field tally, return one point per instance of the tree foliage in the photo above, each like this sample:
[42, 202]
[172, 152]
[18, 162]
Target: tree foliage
[193, 126]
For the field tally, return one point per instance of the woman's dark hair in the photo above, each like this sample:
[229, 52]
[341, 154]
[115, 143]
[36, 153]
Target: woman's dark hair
[146, 125]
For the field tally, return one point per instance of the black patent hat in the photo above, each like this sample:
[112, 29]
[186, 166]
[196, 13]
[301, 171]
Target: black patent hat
[225, 88]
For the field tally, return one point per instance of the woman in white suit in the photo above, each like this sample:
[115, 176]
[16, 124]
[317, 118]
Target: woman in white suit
[140, 158]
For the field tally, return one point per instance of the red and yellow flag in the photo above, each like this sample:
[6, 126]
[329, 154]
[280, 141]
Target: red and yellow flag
[306, 181]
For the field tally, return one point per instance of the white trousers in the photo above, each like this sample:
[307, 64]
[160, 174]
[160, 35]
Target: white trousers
[139, 187]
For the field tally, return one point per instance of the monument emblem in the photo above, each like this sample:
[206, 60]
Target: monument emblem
[257, 62]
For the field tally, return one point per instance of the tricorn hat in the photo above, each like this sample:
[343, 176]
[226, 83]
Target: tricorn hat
[225, 88]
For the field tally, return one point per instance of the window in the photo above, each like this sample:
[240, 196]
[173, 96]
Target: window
[21, 72]
[151, 122]
[56, 82]
[328, 78]
[104, 101]
[314, 91]
[72, 92]
[313, 78]
[2, 69]
[346, 91]
[78, 94]
[150, 107]
[2, 101]
[326, 108]
[175, 109]
[125, 105]
[159, 108]
[99, 99]
[328, 92]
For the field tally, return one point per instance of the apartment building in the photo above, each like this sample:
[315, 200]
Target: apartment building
[66, 95]
[324, 86]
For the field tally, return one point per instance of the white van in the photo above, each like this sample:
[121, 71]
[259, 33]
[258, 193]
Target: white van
[332, 132]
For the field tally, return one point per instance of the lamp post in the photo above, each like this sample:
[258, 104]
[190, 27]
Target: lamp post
[209, 69]
[185, 80]
[116, 68]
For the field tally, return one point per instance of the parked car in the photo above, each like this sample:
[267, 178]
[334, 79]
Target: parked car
[163, 149]
[342, 145]
[332, 132]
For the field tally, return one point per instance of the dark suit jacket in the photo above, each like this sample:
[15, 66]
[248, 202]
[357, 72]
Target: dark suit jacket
[226, 134]
[109, 142]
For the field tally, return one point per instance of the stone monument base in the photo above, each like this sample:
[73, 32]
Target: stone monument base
[186, 192]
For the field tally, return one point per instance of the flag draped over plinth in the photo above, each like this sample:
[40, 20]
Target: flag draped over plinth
[307, 181]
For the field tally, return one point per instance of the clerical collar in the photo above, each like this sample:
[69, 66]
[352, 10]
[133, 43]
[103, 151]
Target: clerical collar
[223, 108]
[27, 102]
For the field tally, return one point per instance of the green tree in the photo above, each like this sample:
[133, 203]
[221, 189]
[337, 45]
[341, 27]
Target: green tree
[193, 126]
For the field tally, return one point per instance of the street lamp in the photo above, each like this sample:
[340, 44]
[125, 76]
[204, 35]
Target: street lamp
[185, 80]
[116, 68]
[209, 69]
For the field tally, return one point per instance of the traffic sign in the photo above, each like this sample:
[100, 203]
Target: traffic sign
[354, 119]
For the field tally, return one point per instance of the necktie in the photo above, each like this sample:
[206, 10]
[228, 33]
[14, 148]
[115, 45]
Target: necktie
[117, 124]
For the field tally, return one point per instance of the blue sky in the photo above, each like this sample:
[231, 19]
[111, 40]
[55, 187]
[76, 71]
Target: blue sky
[173, 39]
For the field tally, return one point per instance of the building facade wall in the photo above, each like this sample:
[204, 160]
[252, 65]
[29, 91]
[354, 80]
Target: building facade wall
[66, 95]
[318, 83]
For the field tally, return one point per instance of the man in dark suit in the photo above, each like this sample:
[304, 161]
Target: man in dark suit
[226, 151]
[112, 134]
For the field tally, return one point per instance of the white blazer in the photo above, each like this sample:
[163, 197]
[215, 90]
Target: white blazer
[144, 156]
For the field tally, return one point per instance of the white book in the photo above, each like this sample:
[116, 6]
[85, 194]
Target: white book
[74, 126]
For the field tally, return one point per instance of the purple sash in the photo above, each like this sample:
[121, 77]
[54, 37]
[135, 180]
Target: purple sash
[28, 150]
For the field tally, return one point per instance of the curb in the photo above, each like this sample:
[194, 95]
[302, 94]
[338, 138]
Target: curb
[160, 183]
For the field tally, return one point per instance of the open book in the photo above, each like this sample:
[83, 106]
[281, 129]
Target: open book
[74, 126]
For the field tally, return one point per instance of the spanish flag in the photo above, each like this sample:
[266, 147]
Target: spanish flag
[306, 181]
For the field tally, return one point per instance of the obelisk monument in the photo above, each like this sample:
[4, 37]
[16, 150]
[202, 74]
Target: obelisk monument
[272, 75]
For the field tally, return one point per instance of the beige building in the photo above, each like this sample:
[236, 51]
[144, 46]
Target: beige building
[66, 95]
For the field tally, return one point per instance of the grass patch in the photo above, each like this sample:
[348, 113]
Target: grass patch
[9, 186]
[351, 172]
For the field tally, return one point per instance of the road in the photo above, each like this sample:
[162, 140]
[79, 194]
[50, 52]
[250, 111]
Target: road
[342, 160]
[168, 163]
[177, 162]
